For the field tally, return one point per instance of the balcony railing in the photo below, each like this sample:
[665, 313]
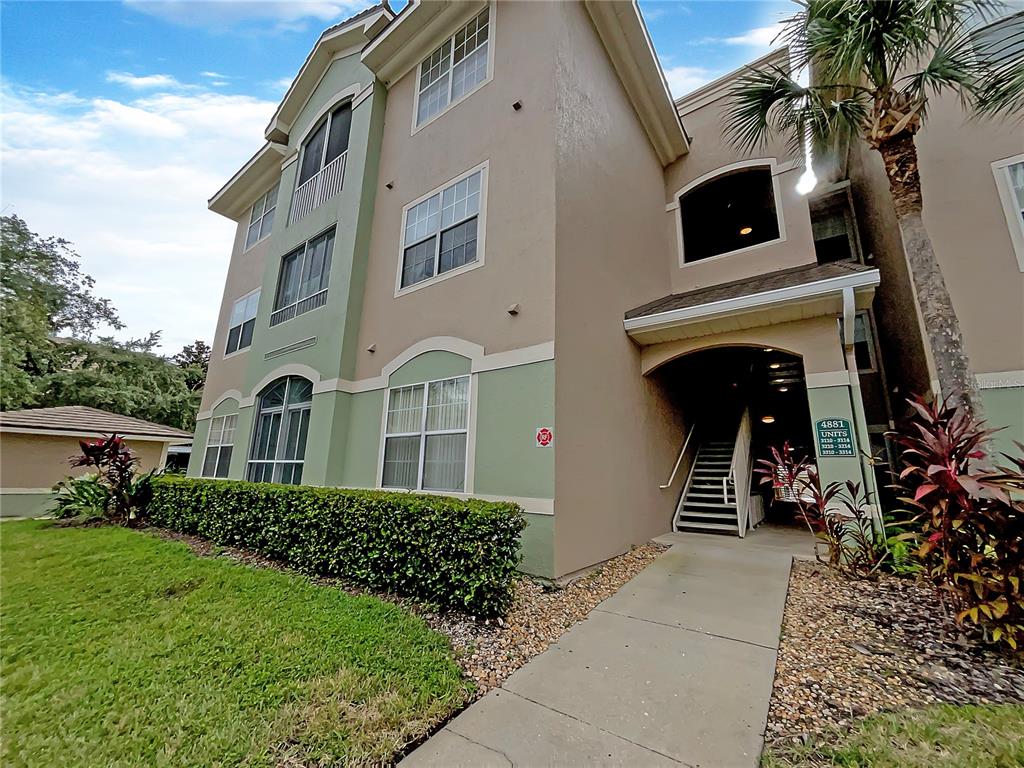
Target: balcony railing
[299, 307]
[317, 189]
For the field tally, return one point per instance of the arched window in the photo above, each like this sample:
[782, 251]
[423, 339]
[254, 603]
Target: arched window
[279, 439]
[729, 213]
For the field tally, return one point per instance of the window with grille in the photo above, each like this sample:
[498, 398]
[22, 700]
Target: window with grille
[441, 232]
[455, 69]
[279, 438]
[261, 217]
[425, 436]
[242, 322]
[219, 444]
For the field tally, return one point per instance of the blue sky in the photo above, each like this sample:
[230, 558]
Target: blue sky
[122, 118]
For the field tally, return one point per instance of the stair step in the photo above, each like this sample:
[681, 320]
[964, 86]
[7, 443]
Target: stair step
[708, 517]
[716, 504]
[710, 527]
[706, 494]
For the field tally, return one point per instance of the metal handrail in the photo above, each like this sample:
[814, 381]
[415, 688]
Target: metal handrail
[682, 452]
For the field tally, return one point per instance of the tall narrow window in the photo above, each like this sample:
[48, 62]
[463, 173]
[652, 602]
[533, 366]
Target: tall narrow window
[441, 232]
[305, 274]
[261, 217]
[454, 69]
[219, 444]
[279, 439]
[1009, 174]
[425, 436]
[242, 322]
[322, 165]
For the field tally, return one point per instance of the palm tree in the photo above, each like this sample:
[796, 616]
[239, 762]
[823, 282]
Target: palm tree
[874, 64]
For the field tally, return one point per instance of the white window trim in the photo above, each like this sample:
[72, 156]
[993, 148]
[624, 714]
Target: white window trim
[280, 265]
[674, 208]
[249, 222]
[219, 446]
[481, 232]
[240, 350]
[323, 118]
[491, 21]
[469, 479]
[284, 409]
[1013, 217]
[869, 322]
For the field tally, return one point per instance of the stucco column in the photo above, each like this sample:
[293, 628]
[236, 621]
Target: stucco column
[832, 415]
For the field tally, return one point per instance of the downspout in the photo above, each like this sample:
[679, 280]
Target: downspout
[860, 421]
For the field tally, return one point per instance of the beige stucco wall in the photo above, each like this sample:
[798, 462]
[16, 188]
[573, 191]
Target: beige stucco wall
[518, 263]
[616, 435]
[244, 274]
[40, 461]
[710, 151]
[969, 232]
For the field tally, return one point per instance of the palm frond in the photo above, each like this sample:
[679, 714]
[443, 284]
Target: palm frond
[953, 65]
[1001, 60]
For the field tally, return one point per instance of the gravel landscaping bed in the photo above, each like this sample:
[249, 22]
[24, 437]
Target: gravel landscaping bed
[850, 649]
[489, 651]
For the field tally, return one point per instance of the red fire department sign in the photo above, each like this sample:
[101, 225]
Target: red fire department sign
[544, 437]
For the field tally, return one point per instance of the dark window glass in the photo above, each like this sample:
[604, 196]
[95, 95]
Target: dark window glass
[246, 333]
[288, 285]
[419, 262]
[233, 337]
[729, 213]
[312, 154]
[341, 124]
[458, 246]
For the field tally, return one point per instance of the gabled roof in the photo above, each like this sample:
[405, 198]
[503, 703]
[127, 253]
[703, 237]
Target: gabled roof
[87, 422]
[350, 35]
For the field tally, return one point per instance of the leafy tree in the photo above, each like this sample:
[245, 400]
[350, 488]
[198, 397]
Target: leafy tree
[875, 65]
[43, 293]
[48, 316]
[194, 358]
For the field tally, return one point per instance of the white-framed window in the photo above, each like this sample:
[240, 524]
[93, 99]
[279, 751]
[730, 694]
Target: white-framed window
[279, 439]
[219, 444]
[242, 322]
[305, 274]
[455, 69]
[327, 143]
[863, 341]
[1009, 174]
[730, 210]
[426, 435]
[261, 217]
[443, 231]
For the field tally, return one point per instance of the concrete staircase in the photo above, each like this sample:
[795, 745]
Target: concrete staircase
[703, 506]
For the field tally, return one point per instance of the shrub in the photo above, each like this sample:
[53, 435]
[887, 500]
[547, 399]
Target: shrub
[971, 517]
[126, 491]
[83, 497]
[454, 553]
[838, 514]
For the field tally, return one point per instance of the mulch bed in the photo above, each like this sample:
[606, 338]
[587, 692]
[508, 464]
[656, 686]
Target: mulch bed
[852, 648]
[488, 651]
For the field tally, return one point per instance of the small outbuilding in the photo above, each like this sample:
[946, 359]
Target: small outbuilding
[35, 446]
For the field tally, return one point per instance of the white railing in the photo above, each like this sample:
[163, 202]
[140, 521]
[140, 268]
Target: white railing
[278, 316]
[317, 189]
[739, 474]
[682, 452]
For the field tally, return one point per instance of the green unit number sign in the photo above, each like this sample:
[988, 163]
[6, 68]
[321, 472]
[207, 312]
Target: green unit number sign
[835, 437]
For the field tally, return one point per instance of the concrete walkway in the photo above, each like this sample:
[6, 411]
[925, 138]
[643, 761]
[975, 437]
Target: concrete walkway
[675, 668]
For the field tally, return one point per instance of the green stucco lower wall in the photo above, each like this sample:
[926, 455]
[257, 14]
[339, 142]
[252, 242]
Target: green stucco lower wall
[1004, 407]
[25, 504]
[362, 441]
[538, 546]
[511, 404]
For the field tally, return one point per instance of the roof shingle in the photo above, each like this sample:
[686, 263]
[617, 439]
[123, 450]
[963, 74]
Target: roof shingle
[749, 286]
[87, 421]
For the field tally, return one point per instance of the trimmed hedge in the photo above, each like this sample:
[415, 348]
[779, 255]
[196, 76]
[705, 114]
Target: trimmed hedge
[454, 553]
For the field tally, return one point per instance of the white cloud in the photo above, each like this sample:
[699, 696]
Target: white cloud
[142, 82]
[214, 75]
[288, 15]
[682, 79]
[126, 181]
[758, 37]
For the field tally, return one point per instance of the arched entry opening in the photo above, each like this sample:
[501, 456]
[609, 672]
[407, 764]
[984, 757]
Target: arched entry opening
[737, 402]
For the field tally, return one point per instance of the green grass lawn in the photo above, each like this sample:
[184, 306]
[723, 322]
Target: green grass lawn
[120, 649]
[937, 737]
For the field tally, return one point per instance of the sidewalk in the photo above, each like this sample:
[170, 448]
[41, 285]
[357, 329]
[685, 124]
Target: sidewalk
[675, 668]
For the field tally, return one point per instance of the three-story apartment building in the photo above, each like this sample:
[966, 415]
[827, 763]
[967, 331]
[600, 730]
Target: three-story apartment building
[479, 254]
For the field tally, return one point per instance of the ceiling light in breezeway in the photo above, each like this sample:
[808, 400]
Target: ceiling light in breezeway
[768, 419]
[774, 366]
[783, 389]
[746, 230]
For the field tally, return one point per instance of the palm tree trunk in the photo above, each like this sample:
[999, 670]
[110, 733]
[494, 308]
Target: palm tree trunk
[941, 326]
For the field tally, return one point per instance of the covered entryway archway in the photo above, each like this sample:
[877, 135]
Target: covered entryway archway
[755, 363]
